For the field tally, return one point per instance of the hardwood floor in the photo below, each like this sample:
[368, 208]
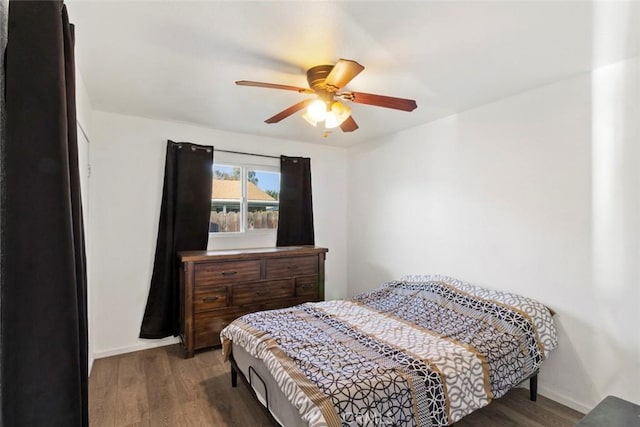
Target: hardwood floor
[158, 387]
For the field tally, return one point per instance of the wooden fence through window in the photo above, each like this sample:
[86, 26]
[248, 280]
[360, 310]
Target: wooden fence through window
[230, 221]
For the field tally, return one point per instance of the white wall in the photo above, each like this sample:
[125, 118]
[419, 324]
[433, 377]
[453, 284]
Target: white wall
[539, 194]
[127, 156]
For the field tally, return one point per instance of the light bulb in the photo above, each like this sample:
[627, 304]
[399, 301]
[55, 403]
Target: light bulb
[317, 110]
[309, 120]
[338, 114]
[331, 121]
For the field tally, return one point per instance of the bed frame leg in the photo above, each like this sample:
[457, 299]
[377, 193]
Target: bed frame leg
[234, 377]
[533, 387]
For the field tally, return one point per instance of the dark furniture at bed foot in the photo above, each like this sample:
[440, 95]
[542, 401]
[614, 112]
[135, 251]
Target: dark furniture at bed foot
[612, 412]
[217, 287]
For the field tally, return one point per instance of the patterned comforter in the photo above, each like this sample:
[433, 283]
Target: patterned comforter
[424, 351]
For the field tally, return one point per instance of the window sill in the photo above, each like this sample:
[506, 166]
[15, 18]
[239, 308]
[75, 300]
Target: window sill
[262, 238]
[236, 234]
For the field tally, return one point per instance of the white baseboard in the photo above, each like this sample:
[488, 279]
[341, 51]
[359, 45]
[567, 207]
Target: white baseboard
[565, 400]
[91, 359]
[142, 345]
[557, 397]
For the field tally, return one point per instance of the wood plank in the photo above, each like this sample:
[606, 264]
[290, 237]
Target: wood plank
[515, 409]
[164, 405]
[560, 410]
[132, 402]
[232, 406]
[188, 378]
[103, 389]
[538, 412]
[476, 419]
[494, 417]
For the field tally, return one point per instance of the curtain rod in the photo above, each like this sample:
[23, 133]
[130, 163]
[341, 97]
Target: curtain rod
[247, 154]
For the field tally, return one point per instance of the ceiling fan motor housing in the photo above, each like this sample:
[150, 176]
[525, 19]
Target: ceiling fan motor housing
[317, 75]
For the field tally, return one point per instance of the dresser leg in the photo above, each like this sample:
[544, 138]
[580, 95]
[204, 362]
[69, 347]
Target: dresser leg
[187, 351]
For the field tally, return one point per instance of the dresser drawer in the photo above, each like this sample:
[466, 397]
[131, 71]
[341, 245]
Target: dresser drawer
[294, 266]
[208, 325]
[226, 272]
[249, 293]
[307, 286]
[210, 297]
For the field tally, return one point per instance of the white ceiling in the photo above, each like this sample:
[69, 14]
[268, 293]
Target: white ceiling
[178, 60]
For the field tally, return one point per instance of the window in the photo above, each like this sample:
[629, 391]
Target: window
[244, 198]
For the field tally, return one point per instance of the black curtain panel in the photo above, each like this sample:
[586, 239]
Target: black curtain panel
[295, 219]
[184, 226]
[44, 318]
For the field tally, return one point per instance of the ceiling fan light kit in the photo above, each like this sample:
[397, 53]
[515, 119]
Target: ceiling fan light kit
[317, 110]
[333, 115]
[338, 114]
[326, 81]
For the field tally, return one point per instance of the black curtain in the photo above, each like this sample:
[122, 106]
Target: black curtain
[44, 320]
[295, 219]
[184, 226]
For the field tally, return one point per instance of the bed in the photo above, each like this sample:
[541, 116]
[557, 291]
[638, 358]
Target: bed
[423, 351]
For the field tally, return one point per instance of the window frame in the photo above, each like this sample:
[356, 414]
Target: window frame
[245, 167]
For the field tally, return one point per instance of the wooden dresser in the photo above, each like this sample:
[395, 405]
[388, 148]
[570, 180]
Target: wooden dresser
[217, 287]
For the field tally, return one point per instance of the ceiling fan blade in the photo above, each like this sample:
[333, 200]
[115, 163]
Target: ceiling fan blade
[289, 111]
[349, 125]
[273, 86]
[341, 74]
[381, 101]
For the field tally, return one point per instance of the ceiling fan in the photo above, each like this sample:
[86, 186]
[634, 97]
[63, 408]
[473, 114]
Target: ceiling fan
[326, 82]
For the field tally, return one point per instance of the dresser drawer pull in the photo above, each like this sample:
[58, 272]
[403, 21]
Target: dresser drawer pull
[292, 267]
[210, 299]
[262, 293]
[229, 273]
[307, 286]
